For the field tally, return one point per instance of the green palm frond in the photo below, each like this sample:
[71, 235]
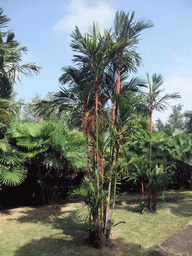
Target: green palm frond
[8, 109]
[88, 192]
[4, 145]
[16, 71]
[11, 55]
[12, 176]
[160, 179]
[152, 99]
[125, 27]
[3, 19]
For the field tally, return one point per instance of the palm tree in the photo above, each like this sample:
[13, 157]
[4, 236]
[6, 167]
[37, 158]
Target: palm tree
[96, 51]
[48, 148]
[10, 58]
[10, 68]
[127, 29]
[140, 164]
[152, 101]
[8, 109]
[12, 173]
[180, 155]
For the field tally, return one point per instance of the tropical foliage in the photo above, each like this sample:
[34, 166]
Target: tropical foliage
[10, 71]
[96, 132]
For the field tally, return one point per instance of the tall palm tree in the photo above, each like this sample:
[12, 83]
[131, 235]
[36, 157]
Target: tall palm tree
[128, 59]
[153, 101]
[97, 51]
[127, 29]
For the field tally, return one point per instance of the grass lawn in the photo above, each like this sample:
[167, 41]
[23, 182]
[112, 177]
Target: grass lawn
[53, 231]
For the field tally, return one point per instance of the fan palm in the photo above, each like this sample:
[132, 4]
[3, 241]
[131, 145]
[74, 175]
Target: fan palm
[12, 172]
[49, 148]
[8, 109]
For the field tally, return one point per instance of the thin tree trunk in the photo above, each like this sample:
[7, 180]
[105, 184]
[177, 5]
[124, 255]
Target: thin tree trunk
[118, 78]
[97, 133]
[150, 159]
[102, 179]
[102, 166]
[114, 194]
[93, 153]
[150, 206]
[151, 124]
[142, 186]
[117, 88]
[109, 193]
[117, 153]
[113, 113]
[115, 182]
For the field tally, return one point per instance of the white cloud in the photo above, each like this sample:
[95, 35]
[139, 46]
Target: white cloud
[82, 15]
[179, 84]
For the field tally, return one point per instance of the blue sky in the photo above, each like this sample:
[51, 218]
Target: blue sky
[45, 27]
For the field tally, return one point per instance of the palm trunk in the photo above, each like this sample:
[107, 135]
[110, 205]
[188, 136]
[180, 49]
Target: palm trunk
[113, 113]
[102, 166]
[150, 206]
[118, 90]
[118, 78]
[109, 194]
[150, 158]
[93, 153]
[155, 198]
[115, 184]
[97, 146]
[142, 187]
[117, 153]
[87, 138]
[151, 124]
[102, 179]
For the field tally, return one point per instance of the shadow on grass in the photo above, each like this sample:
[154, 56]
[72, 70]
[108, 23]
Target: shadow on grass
[4, 211]
[43, 214]
[67, 236]
[182, 208]
[179, 206]
[53, 246]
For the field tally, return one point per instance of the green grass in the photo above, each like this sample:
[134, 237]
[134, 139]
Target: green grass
[178, 193]
[53, 231]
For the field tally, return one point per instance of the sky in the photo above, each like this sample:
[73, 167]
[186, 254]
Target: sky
[45, 26]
